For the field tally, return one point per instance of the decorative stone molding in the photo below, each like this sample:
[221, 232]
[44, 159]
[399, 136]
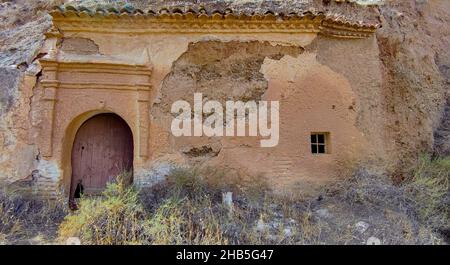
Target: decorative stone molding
[83, 75]
[72, 19]
[100, 75]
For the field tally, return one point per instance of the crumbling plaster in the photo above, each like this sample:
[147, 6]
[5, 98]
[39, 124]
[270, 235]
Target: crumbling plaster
[161, 51]
[316, 95]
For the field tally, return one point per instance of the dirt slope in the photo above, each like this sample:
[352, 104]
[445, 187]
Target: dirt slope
[414, 44]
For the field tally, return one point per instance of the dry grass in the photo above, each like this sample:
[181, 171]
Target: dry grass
[22, 218]
[188, 209]
[428, 191]
[417, 205]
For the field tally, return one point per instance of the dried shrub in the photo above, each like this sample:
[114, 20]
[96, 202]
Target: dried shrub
[428, 190]
[187, 222]
[22, 217]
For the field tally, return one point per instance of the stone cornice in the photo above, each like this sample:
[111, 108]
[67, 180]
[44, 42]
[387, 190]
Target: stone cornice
[71, 19]
[92, 64]
[86, 73]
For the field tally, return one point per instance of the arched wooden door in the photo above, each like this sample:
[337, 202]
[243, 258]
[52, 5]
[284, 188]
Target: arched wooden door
[103, 149]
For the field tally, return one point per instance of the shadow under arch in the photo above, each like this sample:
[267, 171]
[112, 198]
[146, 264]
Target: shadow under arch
[68, 143]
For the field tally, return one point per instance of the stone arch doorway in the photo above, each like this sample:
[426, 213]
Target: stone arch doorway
[102, 150]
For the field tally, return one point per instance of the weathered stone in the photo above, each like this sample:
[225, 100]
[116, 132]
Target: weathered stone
[287, 232]
[81, 46]
[227, 200]
[373, 241]
[261, 226]
[323, 213]
[10, 80]
[73, 241]
[361, 227]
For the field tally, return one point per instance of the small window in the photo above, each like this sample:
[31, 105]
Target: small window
[320, 143]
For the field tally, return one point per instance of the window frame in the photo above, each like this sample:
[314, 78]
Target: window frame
[316, 145]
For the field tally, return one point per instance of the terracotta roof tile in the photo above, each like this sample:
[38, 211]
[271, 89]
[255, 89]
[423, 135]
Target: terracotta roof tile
[339, 12]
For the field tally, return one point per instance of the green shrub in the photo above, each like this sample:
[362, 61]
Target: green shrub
[115, 218]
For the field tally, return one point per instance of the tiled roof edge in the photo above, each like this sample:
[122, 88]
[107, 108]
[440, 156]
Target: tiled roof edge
[202, 12]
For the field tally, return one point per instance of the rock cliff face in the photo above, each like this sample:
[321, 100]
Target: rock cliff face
[414, 43]
[414, 56]
[22, 25]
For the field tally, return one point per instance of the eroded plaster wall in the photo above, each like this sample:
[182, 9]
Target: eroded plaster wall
[323, 85]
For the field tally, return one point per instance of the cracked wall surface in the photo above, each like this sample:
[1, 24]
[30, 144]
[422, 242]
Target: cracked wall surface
[80, 46]
[221, 71]
[318, 90]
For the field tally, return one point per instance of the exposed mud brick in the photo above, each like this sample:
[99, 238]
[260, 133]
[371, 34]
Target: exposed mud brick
[222, 71]
[80, 46]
